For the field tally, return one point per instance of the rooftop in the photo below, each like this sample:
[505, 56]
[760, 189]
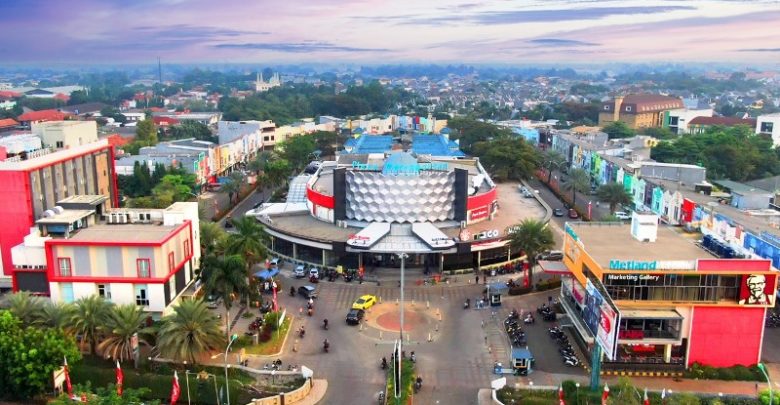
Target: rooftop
[605, 241]
[726, 121]
[43, 115]
[123, 233]
[83, 199]
[54, 157]
[66, 217]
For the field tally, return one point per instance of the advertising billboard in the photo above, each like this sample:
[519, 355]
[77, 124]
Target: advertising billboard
[758, 290]
[602, 318]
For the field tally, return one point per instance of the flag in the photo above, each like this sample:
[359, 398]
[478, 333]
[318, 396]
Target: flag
[67, 378]
[560, 396]
[175, 390]
[276, 308]
[605, 395]
[663, 396]
[120, 378]
[647, 400]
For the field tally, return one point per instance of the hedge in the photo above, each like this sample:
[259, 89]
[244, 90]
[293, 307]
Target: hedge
[548, 285]
[738, 373]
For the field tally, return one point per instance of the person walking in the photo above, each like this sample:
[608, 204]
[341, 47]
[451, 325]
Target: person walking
[477, 279]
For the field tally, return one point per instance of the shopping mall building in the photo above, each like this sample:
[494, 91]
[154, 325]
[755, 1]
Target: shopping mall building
[678, 302]
[380, 198]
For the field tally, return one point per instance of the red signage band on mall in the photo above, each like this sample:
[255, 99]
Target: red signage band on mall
[479, 213]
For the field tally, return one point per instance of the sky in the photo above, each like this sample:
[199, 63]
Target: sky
[389, 31]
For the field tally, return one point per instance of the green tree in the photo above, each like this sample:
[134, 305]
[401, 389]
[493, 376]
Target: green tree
[326, 142]
[552, 160]
[212, 236]
[297, 150]
[121, 323]
[233, 185]
[174, 187]
[189, 332]
[624, 393]
[578, 182]
[276, 172]
[507, 159]
[659, 133]
[468, 131]
[613, 194]
[532, 237]
[146, 132]
[257, 164]
[192, 129]
[58, 315]
[684, 398]
[89, 319]
[227, 278]
[29, 355]
[27, 307]
[248, 241]
[618, 129]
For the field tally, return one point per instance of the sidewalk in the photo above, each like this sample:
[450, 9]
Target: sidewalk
[318, 390]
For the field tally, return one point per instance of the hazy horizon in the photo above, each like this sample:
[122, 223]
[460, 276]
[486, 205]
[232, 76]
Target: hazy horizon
[84, 32]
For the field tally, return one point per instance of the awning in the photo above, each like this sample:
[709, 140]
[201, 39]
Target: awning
[369, 235]
[649, 314]
[267, 273]
[553, 267]
[432, 236]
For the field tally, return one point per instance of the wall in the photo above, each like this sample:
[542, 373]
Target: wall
[289, 397]
[723, 337]
[15, 214]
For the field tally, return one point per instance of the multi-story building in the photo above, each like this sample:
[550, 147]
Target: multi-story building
[638, 110]
[65, 134]
[32, 117]
[699, 125]
[675, 303]
[769, 125]
[35, 182]
[678, 120]
[81, 247]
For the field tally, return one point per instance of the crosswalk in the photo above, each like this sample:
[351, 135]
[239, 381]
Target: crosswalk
[343, 295]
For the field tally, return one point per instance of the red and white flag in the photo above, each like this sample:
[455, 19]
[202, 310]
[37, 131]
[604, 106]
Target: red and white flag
[561, 400]
[663, 396]
[647, 400]
[68, 386]
[120, 378]
[276, 307]
[175, 390]
[605, 395]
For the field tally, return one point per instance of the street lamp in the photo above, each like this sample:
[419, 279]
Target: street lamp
[227, 385]
[187, 378]
[577, 395]
[762, 367]
[204, 376]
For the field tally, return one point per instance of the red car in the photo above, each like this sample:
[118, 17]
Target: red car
[573, 213]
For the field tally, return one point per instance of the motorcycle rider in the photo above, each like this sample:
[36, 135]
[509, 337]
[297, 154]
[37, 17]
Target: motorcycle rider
[384, 363]
[325, 324]
[301, 331]
[292, 291]
[326, 345]
[413, 357]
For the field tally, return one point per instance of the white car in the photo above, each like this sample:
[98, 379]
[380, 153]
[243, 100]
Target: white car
[621, 215]
[299, 272]
[314, 272]
[275, 262]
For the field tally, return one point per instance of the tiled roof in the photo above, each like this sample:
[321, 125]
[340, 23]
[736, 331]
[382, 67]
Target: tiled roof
[726, 121]
[165, 121]
[8, 123]
[42, 115]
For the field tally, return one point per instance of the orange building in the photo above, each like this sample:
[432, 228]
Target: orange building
[638, 110]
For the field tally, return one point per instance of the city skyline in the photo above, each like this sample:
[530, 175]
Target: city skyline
[499, 31]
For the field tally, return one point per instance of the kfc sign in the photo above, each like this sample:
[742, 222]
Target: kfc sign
[757, 290]
[479, 213]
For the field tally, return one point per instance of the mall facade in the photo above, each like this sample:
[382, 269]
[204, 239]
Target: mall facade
[363, 209]
[677, 302]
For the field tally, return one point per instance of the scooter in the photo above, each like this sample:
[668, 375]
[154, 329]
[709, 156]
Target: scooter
[571, 361]
[467, 304]
[383, 364]
[417, 385]
[414, 358]
[301, 332]
[325, 324]
[529, 319]
[325, 346]
[311, 311]
[292, 291]
[381, 397]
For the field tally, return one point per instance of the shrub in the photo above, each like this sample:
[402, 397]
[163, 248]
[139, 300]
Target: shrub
[247, 315]
[548, 285]
[517, 290]
[271, 320]
[726, 374]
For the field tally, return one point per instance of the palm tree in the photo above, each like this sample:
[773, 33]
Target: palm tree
[552, 159]
[257, 165]
[614, 194]
[189, 332]
[211, 237]
[120, 325]
[532, 237]
[27, 307]
[578, 182]
[227, 277]
[58, 315]
[233, 185]
[89, 319]
[248, 241]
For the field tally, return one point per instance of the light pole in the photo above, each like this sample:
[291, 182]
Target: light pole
[204, 376]
[227, 384]
[403, 257]
[762, 367]
[187, 378]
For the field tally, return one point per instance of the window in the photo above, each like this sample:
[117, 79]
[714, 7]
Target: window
[64, 266]
[186, 248]
[767, 127]
[66, 292]
[141, 295]
[59, 145]
[144, 266]
[171, 262]
[104, 290]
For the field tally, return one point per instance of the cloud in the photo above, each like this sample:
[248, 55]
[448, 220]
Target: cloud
[193, 31]
[297, 47]
[759, 50]
[561, 42]
[557, 15]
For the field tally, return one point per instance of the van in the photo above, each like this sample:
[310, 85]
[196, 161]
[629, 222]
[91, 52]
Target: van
[307, 291]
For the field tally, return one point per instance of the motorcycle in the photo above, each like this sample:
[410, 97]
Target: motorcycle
[529, 319]
[413, 357]
[301, 332]
[467, 304]
[325, 324]
[325, 346]
[383, 364]
[292, 291]
[381, 397]
[311, 311]
[571, 361]
[417, 385]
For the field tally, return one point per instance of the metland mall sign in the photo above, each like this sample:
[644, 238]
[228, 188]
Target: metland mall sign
[616, 264]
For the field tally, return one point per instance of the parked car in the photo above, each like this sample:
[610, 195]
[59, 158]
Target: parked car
[228, 222]
[314, 273]
[275, 262]
[573, 213]
[213, 302]
[354, 316]
[364, 302]
[551, 255]
[307, 291]
[622, 215]
[299, 272]
[558, 212]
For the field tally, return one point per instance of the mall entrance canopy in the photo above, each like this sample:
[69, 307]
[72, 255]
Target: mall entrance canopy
[385, 237]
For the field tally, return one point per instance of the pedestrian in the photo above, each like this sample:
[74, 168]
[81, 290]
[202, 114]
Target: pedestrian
[477, 278]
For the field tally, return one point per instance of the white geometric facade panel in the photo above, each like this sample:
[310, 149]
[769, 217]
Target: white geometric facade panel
[375, 197]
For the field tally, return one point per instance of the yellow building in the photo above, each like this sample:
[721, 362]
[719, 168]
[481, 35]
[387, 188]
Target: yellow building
[638, 110]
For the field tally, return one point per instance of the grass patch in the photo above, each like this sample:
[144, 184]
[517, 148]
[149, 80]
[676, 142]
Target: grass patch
[272, 346]
[407, 380]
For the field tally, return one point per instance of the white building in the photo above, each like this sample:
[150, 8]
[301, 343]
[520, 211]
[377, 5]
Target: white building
[677, 120]
[769, 124]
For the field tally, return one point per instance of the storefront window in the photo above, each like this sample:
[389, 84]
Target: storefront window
[672, 287]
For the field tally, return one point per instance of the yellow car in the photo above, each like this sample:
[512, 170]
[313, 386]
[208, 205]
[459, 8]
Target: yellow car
[364, 302]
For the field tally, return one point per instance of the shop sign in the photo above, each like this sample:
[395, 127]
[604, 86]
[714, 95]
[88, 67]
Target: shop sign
[633, 277]
[489, 234]
[615, 264]
[479, 213]
[570, 232]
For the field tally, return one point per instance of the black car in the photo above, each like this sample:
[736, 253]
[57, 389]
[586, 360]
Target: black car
[558, 212]
[354, 316]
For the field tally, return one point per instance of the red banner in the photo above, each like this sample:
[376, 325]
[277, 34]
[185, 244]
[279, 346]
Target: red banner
[175, 390]
[68, 386]
[120, 378]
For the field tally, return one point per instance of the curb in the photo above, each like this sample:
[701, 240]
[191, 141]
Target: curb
[666, 374]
